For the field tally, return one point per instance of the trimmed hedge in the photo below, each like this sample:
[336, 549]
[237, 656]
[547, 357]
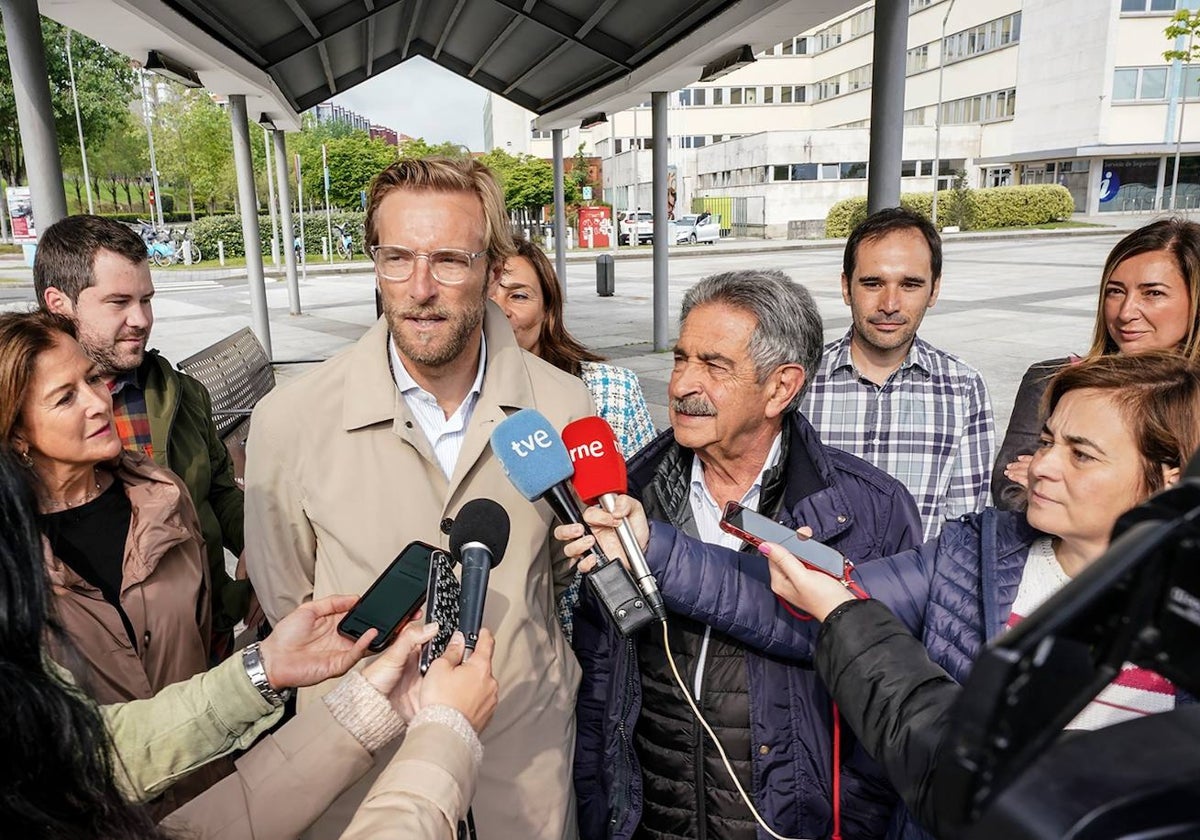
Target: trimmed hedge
[990, 207]
[228, 229]
[172, 219]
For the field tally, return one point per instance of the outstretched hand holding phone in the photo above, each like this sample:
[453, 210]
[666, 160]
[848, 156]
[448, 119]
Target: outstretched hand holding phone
[816, 593]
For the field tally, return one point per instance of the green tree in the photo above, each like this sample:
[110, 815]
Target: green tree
[417, 147]
[193, 145]
[106, 87]
[530, 185]
[501, 163]
[353, 161]
[1183, 23]
[579, 176]
[120, 160]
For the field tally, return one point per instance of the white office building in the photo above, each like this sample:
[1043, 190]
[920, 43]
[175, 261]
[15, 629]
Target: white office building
[1075, 92]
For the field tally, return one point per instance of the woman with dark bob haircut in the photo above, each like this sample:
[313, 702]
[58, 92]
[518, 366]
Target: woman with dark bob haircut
[1119, 428]
[1149, 300]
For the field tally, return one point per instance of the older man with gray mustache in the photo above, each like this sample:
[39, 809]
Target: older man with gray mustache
[748, 341]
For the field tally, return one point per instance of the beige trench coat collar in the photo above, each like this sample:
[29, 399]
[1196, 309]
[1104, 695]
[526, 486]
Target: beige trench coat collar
[371, 397]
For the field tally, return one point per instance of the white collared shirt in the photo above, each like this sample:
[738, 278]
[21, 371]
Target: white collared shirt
[445, 434]
[707, 512]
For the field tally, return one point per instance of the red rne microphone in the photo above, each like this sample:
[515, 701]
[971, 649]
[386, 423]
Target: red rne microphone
[599, 476]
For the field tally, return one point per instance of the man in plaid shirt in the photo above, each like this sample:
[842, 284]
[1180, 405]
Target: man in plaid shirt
[916, 412]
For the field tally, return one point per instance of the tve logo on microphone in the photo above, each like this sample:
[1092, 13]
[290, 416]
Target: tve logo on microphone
[539, 439]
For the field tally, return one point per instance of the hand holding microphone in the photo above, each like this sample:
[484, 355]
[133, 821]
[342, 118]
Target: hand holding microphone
[536, 462]
[478, 540]
[600, 476]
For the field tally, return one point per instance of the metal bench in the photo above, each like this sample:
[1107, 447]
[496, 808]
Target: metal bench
[237, 374]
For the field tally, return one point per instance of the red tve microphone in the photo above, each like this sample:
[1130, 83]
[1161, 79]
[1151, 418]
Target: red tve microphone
[599, 477]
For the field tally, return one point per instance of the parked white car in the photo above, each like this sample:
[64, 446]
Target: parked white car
[687, 229]
[637, 228]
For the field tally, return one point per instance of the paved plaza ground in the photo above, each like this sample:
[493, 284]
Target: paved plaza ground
[1006, 301]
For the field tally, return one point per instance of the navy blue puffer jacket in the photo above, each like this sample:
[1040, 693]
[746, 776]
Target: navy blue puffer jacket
[850, 505]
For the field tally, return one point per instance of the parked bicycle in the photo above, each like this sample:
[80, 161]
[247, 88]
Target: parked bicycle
[343, 241]
[167, 247]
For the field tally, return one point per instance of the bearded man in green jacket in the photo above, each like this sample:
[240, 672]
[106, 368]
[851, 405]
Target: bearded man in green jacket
[95, 271]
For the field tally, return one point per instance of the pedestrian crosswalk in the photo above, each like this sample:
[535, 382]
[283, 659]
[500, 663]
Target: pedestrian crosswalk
[167, 287]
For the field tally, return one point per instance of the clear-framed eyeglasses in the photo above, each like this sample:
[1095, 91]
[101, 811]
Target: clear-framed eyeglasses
[449, 266]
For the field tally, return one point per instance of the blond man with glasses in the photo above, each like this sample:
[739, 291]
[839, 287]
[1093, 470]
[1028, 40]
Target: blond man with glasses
[384, 444]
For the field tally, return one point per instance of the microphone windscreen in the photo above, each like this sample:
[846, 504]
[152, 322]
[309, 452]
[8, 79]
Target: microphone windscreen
[599, 467]
[531, 453]
[483, 521]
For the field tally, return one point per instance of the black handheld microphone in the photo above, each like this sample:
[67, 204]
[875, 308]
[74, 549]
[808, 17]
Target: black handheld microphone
[478, 540]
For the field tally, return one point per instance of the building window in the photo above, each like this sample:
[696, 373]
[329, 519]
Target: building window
[916, 59]
[1150, 83]
[804, 172]
[915, 116]
[718, 96]
[698, 96]
[735, 96]
[1154, 83]
[768, 95]
[857, 169]
[685, 97]
[986, 37]
[1125, 81]
[785, 94]
[862, 23]
[908, 169]
[827, 38]
[779, 173]
[830, 171]
[1149, 5]
[859, 78]
[828, 88]
[917, 5]
[989, 107]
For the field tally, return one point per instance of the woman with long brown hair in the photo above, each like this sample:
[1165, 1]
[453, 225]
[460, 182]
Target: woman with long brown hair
[530, 295]
[1149, 300]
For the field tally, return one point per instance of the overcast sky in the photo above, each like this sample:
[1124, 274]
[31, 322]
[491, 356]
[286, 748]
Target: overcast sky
[420, 99]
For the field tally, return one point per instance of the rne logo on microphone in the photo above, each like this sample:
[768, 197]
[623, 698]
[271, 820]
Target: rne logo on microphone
[538, 440]
[594, 449]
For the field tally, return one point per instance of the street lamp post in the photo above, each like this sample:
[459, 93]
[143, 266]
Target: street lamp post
[150, 138]
[87, 181]
[937, 116]
[1179, 133]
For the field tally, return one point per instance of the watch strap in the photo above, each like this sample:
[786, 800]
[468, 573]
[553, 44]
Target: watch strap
[252, 661]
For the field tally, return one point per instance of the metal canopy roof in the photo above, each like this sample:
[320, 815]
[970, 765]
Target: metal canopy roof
[540, 55]
[561, 59]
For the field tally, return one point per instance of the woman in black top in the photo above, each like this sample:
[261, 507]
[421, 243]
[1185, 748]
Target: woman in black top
[126, 560]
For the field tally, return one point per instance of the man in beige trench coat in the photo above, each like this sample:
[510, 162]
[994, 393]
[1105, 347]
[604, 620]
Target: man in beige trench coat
[384, 443]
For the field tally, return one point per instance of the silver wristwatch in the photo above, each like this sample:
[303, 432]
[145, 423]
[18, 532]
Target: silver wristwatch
[252, 661]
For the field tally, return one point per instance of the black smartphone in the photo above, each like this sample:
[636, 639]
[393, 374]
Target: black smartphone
[444, 594]
[756, 529]
[393, 597]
